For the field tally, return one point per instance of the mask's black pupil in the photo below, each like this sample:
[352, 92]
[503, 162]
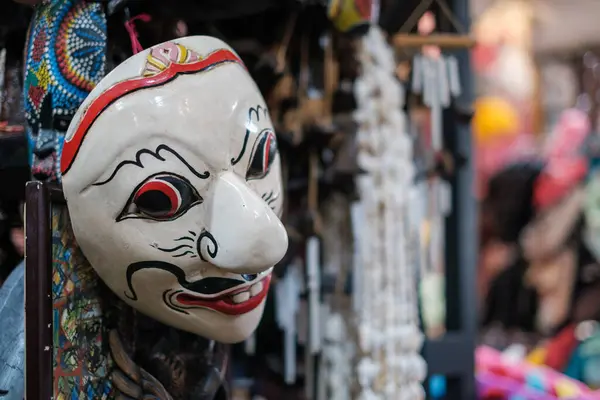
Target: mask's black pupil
[153, 202]
[257, 168]
[272, 151]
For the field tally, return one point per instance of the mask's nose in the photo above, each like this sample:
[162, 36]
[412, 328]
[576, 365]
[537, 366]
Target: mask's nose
[250, 238]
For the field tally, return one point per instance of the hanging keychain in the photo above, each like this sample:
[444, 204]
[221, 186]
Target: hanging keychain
[331, 77]
[250, 345]
[287, 301]
[313, 105]
[136, 47]
[275, 65]
[436, 77]
[313, 257]
[2, 75]
[313, 271]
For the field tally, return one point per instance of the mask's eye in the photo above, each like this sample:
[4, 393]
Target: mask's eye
[263, 155]
[161, 197]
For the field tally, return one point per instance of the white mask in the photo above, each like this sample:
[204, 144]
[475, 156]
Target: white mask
[173, 184]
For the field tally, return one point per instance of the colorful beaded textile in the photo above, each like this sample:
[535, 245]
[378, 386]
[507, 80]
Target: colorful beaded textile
[65, 59]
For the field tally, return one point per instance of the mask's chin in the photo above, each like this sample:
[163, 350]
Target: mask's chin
[223, 328]
[219, 319]
[205, 322]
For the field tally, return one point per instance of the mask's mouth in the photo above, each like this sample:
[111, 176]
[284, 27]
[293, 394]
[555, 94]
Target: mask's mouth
[212, 286]
[225, 295]
[237, 298]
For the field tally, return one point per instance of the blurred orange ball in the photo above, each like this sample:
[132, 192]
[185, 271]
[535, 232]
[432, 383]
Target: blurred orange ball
[494, 119]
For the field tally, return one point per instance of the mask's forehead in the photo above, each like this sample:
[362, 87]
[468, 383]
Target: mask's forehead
[206, 113]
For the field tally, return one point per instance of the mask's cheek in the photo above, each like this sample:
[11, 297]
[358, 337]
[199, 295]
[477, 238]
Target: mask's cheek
[270, 189]
[97, 234]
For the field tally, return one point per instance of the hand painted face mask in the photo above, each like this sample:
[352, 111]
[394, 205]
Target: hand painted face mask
[173, 183]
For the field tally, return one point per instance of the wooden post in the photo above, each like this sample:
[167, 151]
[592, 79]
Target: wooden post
[38, 293]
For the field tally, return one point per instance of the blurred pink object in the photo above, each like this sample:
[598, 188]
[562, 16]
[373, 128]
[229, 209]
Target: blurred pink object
[489, 361]
[568, 135]
[566, 167]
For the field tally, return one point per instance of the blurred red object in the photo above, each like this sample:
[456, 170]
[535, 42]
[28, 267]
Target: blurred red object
[570, 132]
[6, 128]
[558, 178]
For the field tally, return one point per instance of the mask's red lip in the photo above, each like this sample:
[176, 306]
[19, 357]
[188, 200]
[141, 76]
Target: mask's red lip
[224, 304]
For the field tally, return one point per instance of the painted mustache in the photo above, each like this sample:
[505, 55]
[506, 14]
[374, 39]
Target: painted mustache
[206, 286]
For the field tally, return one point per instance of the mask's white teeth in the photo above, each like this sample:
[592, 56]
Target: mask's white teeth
[241, 297]
[256, 289]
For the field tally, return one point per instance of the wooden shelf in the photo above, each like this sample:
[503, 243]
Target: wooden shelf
[445, 40]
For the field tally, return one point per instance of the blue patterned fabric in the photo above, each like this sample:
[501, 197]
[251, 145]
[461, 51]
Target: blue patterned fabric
[12, 335]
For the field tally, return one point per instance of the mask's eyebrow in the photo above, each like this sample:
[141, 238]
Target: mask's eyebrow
[257, 112]
[156, 154]
[253, 113]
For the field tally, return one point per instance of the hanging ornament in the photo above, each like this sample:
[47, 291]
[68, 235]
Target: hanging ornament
[287, 301]
[435, 76]
[503, 52]
[136, 46]
[65, 57]
[2, 72]
[352, 16]
[388, 324]
[336, 375]
[494, 119]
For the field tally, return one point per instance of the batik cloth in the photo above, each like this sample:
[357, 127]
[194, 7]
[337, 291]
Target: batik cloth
[82, 363]
[65, 58]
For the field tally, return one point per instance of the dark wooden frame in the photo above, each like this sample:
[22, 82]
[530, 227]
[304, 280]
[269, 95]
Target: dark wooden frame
[39, 197]
[453, 355]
